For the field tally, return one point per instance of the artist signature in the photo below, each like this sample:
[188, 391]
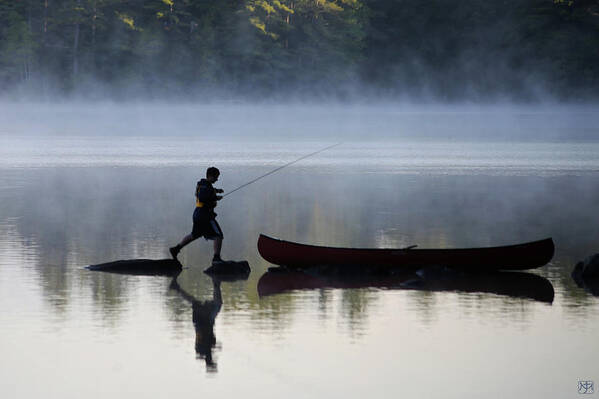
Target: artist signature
[586, 387]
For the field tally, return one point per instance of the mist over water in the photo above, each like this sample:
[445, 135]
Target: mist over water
[90, 183]
[301, 121]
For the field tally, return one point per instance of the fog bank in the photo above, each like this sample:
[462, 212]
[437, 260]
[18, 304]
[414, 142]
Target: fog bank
[301, 121]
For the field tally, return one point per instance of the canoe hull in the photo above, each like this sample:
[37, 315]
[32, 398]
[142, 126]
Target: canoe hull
[513, 257]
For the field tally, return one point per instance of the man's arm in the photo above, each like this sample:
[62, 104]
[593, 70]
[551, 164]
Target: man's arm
[207, 195]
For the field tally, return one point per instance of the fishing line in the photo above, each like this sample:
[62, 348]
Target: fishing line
[280, 167]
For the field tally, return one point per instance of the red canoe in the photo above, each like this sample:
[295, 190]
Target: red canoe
[513, 257]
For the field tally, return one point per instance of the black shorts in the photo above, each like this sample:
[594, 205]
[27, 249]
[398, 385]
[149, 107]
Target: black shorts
[207, 228]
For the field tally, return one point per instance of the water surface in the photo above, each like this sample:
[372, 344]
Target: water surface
[70, 332]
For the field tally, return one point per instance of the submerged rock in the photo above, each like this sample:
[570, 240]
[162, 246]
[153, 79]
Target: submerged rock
[586, 274]
[588, 268]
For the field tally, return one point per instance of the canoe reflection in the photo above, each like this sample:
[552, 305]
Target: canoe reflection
[513, 284]
[140, 267]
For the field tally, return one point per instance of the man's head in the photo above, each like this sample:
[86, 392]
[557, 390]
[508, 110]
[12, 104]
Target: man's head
[212, 174]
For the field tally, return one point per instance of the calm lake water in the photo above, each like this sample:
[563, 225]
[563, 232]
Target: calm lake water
[69, 333]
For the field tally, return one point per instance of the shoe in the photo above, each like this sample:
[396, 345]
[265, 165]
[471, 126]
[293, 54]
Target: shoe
[216, 260]
[174, 252]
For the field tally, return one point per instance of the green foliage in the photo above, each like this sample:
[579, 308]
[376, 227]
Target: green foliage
[17, 48]
[261, 46]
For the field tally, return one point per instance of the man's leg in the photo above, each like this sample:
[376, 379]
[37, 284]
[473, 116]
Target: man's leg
[218, 244]
[218, 241]
[186, 240]
[177, 248]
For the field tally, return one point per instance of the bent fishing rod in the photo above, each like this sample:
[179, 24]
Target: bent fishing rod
[279, 168]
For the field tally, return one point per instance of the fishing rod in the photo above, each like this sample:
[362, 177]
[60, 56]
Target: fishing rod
[280, 167]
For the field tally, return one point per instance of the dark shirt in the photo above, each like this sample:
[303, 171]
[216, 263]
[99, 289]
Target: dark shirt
[205, 199]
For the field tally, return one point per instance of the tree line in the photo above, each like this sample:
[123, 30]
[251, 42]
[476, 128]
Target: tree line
[440, 48]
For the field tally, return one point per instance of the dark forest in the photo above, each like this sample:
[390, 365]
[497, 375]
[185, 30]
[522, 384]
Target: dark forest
[447, 50]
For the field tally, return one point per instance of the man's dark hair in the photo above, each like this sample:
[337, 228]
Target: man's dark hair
[212, 171]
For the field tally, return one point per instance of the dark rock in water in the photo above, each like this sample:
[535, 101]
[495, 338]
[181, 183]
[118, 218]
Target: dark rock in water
[230, 270]
[589, 268]
[140, 267]
[586, 274]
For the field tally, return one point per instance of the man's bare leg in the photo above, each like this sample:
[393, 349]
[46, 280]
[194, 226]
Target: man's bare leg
[186, 240]
[177, 248]
[218, 244]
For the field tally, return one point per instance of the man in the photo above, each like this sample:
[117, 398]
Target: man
[204, 218]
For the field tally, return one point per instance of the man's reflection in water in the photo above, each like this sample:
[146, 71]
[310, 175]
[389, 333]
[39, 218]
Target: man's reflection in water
[204, 315]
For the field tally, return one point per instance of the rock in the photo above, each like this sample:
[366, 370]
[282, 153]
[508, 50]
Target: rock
[230, 270]
[140, 267]
[586, 274]
[587, 269]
